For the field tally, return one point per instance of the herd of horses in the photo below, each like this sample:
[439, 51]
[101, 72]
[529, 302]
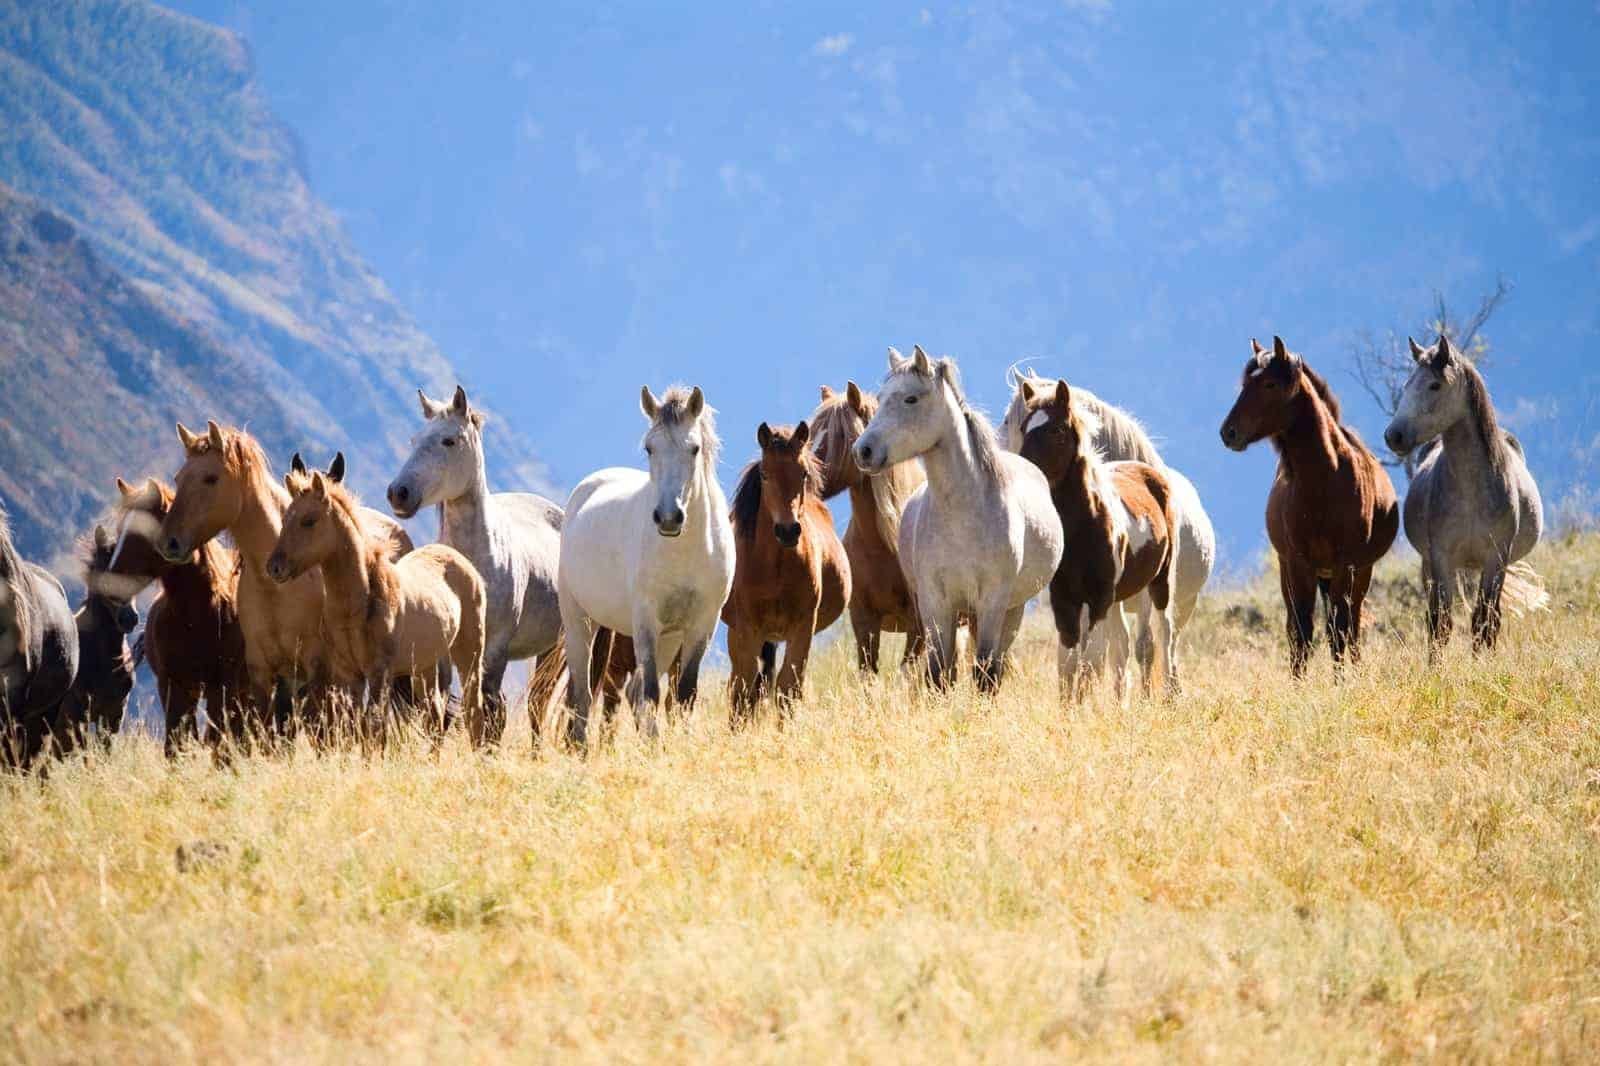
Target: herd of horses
[319, 615]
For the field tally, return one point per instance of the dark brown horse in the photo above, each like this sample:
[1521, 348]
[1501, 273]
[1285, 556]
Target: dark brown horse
[791, 579]
[880, 598]
[1120, 528]
[99, 695]
[191, 639]
[1332, 512]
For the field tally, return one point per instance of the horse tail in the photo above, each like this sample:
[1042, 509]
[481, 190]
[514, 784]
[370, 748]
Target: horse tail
[1523, 591]
[547, 688]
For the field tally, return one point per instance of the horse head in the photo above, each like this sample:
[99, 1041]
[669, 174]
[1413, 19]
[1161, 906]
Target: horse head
[446, 456]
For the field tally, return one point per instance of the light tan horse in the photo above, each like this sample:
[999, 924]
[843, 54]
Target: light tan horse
[227, 483]
[382, 619]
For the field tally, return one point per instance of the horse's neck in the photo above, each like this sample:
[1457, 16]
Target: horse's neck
[1080, 496]
[952, 464]
[260, 518]
[193, 582]
[464, 521]
[347, 577]
[1467, 451]
[864, 509]
[705, 508]
[1313, 445]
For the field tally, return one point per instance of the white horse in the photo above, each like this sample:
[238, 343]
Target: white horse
[512, 538]
[649, 555]
[1119, 437]
[980, 538]
[1472, 504]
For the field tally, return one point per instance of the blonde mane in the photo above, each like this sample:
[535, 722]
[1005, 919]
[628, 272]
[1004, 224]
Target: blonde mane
[1117, 434]
[836, 422]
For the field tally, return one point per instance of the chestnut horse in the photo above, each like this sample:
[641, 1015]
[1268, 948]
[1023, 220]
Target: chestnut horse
[1121, 532]
[383, 619]
[192, 640]
[880, 597]
[226, 483]
[1332, 512]
[791, 578]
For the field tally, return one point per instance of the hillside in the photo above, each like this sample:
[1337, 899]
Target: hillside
[145, 132]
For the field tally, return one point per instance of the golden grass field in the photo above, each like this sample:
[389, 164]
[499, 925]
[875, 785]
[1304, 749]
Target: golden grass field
[1398, 865]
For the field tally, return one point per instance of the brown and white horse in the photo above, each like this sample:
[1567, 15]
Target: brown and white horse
[791, 577]
[880, 597]
[1120, 528]
[1332, 512]
[383, 619]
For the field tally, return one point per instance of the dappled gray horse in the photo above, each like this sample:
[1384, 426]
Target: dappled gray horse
[513, 538]
[1473, 504]
[38, 653]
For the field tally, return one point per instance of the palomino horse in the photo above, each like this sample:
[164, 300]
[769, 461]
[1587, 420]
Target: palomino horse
[792, 578]
[192, 639]
[880, 598]
[1120, 529]
[38, 653]
[1119, 437]
[1331, 514]
[1473, 504]
[981, 537]
[512, 538]
[384, 619]
[226, 483]
[650, 556]
[99, 695]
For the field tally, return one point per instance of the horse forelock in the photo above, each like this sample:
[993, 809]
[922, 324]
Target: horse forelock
[674, 411]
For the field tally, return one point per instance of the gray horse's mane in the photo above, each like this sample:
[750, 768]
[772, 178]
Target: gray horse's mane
[16, 595]
[1481, 410]
[1117, 434]
[985, 447]
[674, 410]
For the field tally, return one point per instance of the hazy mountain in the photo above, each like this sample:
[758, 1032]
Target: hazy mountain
[174, 264]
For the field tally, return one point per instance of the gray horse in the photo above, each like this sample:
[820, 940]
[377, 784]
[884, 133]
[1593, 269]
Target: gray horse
[1472, 505]
[38, 653]
[513, 538]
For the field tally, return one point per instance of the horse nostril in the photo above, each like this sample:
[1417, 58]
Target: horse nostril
[655, 516]
[400, 493]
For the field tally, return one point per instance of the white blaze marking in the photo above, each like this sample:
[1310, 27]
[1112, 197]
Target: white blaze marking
[1035, 420]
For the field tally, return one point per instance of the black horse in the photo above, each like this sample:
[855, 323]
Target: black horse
[99, 695]
[38, 653]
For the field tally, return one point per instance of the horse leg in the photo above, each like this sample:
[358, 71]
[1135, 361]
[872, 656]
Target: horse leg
[1359, 584]
[744, 649]
[1439, 579]
[1336, 591]
[939, 636]
[769, 668]
[578, 633]
[1486, 614]
[646, 644]
[466, 653]
[690, 655]
[1298, 583]
[990, 653]
[796, 651]
[868, 632]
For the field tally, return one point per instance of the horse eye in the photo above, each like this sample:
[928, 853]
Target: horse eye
[649, 450]
[307, 523]
[211, 479]
[1269, 384]
[911, 399]
[1435, 387]
[449, 442]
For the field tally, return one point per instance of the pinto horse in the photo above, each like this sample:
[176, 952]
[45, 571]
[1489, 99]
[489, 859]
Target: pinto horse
[1331, 514]
[383, 619]
[192, 640]
[1121, 532]
[791, 579]
[880, 597]
[980, 538]
[1473, 503]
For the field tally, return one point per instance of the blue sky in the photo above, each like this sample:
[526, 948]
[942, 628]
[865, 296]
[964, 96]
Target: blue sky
[574, 199]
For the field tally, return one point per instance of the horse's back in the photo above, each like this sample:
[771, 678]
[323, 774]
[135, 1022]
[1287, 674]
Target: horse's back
[380, 526]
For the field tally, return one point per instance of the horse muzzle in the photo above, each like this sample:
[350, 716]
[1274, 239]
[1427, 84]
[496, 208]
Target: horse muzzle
[871, 460]
[173, 550]
[1396, 437]
[788, 535]
[668, 523]
[1232, 439]
[278, 568]
[402, 501]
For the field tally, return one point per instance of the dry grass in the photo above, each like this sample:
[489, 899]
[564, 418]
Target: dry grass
[1395, 865]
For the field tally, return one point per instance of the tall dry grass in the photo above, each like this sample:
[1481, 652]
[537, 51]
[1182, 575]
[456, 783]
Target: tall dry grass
[1399, 864]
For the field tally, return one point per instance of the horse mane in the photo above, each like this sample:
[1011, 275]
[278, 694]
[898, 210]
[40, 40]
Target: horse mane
[674, 410]
[834, 418]
[19, 599]
[1483, 417]
[985, 448]
[747, 500]
[1116, 432]
[215, 559]
[1324, 391]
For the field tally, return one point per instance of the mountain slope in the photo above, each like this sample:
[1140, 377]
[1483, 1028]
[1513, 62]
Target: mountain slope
[145, 131]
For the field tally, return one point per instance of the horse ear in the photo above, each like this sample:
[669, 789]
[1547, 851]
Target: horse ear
[336, 469]
[802, 433]
[102, 538]
[1279, 349]
[152, 489]
[289, 482]
[1255, 347]
[697, 402]
[1026, 388]
[920, 362]
[1062, 400]
[896, 360]
[125, 490]
[190, 441]
[648, 402]
[297, 465]
[827, 393]
[214, 432]
[764, 436]
[852, 395]
[431, 409]
[319, 486]
[458, 403]
[1443, 354]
